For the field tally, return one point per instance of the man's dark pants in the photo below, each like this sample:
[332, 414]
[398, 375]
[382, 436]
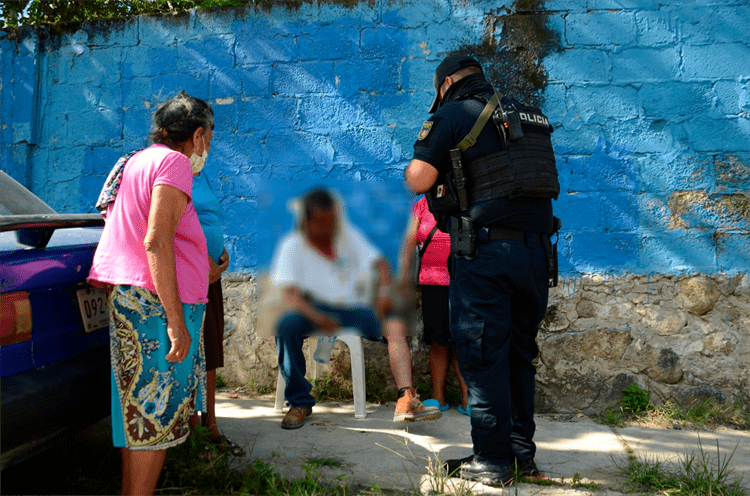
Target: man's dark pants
[497, 301]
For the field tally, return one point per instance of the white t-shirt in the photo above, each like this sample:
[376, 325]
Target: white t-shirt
[342, 282]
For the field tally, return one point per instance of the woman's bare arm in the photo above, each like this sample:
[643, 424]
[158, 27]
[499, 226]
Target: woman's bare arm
[406, 256]
[167, 206]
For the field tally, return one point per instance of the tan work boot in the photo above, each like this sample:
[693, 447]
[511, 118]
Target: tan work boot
[410, 409]
[295, 417]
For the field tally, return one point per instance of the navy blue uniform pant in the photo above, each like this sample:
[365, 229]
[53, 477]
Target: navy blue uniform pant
[497, 301]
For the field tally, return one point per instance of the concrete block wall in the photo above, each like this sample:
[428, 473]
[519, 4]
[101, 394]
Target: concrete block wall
[649, 100]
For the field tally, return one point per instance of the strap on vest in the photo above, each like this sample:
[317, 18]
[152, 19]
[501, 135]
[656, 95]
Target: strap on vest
[471, 138]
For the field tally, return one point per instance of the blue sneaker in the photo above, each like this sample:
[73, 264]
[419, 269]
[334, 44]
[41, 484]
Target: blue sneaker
[435, 403]
[467, 411]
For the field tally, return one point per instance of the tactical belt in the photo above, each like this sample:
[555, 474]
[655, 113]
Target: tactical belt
[496, 234]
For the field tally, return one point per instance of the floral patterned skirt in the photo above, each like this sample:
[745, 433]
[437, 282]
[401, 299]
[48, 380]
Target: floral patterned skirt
[152, 399]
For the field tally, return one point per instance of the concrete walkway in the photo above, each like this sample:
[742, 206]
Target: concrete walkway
[375, 452]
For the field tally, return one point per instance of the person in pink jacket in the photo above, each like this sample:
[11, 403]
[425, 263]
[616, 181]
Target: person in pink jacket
[433, 279]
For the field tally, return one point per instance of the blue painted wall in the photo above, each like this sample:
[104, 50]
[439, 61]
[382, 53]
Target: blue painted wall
[649, 100]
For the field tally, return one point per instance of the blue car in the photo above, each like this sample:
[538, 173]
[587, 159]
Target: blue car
[54, 328]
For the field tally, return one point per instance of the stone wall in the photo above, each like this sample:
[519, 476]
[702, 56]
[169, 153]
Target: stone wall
[685, 338]
[682, 337]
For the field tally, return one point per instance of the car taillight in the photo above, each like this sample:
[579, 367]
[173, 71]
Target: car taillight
[15, 317]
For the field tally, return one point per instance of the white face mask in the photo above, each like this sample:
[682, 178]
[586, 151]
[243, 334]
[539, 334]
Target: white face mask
[198, 161]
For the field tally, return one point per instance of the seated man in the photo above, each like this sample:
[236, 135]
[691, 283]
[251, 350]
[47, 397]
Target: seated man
[323, 267]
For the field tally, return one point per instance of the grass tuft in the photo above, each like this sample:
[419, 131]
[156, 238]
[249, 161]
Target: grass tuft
[330, 389]
[196, 467]
[694, 475]
[709, 413]
[439, 481]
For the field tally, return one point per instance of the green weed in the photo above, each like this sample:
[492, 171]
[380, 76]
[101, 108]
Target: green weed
[636, 400]
[261, 388]
[614, 417]
[324, 462]
[220, 381]
[195, 467]
[705, 413]
[694, 475]
[580, 482]
[439, 481]
[636, 406]
[328, 388]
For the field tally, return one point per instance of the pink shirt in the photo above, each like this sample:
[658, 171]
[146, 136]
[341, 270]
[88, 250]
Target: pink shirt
[434, 268]
[121, 258]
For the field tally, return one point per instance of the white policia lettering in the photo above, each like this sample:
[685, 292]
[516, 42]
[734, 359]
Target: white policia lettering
[534, 119]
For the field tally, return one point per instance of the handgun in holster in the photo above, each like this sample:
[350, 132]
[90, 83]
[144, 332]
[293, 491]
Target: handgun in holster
[463, 237]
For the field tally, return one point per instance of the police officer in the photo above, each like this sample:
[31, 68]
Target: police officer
[499, 263]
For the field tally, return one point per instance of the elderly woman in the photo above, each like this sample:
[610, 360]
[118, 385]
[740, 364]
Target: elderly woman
[153, 257]
[207, 206]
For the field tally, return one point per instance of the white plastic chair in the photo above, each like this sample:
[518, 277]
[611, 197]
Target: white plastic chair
[354, 342]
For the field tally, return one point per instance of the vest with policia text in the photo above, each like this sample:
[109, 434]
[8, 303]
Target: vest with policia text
[524, 166]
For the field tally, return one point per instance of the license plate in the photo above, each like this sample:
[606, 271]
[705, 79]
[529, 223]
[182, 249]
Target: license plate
[94, 308]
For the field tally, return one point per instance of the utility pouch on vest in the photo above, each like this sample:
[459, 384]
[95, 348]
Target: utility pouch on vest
[463, 237]
[510, 122]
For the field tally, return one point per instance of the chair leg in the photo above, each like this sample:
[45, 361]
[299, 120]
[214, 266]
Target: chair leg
[280, 386]
[358, 373]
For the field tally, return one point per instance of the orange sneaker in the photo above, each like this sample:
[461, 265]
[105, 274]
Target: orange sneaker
[410, 409]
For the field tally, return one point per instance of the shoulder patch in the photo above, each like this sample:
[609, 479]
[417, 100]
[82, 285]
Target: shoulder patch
[426, 128]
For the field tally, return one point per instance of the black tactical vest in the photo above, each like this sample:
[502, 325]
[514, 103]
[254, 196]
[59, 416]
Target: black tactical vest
[523, 167]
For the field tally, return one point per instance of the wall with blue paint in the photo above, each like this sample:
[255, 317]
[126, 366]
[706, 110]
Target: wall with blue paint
[649, 100]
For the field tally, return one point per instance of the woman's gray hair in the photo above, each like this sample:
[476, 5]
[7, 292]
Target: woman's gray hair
[176, 120]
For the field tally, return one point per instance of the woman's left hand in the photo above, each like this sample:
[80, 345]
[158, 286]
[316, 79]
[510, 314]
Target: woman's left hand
[215, 270]
[180, 340]
[224, 261]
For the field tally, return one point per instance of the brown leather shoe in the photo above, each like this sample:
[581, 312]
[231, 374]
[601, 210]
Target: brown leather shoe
[295, 417]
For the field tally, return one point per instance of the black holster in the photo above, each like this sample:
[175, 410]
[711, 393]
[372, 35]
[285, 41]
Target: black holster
[463, 237]
[551, 249]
